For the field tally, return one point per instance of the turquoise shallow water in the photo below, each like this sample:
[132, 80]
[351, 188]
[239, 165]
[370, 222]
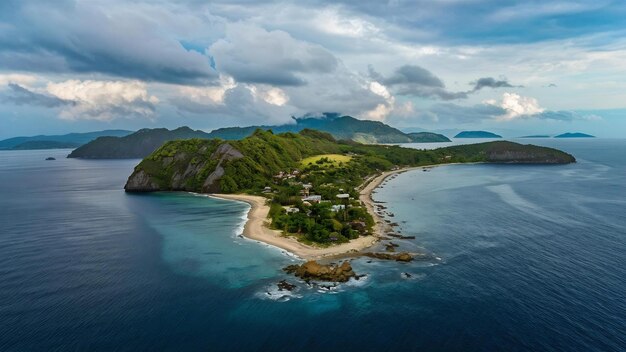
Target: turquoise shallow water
[532, 258]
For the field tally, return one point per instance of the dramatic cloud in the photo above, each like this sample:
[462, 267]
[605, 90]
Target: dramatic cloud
[103, 100]
[38, 37]
[416, 81]
[490, 82]
[22, 96]
[254, 55]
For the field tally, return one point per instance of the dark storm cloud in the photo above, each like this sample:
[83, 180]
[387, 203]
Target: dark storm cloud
[490, 82]
[22, 96]
[413, 75]
[412, 80]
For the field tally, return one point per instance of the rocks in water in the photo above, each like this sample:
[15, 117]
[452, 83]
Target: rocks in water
[406, 275]
[50, 158]
[391, 247]
[399, 257]
[400, 236]
[283, 285]
[313, 270]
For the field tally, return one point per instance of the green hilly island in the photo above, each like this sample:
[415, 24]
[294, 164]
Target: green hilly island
[310, 178]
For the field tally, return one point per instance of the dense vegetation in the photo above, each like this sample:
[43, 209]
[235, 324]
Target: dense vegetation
[288, 167]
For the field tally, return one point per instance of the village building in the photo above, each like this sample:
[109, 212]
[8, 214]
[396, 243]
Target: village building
[337, 207]
[312, 198]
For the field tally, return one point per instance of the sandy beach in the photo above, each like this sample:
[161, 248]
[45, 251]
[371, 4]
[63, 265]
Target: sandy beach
[257, 228]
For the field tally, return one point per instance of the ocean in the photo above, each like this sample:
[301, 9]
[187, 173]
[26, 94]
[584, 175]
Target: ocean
[529, 258]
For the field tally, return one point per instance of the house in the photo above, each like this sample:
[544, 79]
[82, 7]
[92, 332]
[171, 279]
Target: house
[343, 196]
[267, 189]
[337, 207]
[312, 199]
[292, 210]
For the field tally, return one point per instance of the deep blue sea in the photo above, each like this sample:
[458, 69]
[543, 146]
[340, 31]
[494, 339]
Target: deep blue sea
[532, 258]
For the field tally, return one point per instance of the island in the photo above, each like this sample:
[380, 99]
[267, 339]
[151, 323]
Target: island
[427, 137]
[310, 194]
[34, 145]
[477, 134]
[70, 140]
[574, 135]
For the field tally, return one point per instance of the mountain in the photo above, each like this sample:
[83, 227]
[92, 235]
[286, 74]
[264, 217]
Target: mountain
[250, 164]
[144, 142]
[341, 127]
[427, 137]
[73, 139]
[135, 145]
[574, 135]
[477, 134]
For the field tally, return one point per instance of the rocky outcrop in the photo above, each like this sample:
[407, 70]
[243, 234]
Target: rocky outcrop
[314, 271]
[140, 181]
[178, 169]
[399, 257]
[223, 152]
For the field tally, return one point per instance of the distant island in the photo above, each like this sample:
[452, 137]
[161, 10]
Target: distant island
[311, 186]
[70, 140]
[574, 135]
[477, 134]
[135, 145]
[143, 142]
[33, 145]
[428, 137]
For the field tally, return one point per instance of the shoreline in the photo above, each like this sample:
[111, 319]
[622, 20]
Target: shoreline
[256, 226]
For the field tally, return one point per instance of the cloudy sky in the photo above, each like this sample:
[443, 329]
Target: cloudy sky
[513, 66]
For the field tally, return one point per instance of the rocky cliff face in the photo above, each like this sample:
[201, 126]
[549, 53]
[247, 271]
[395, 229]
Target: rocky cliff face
[183, 170]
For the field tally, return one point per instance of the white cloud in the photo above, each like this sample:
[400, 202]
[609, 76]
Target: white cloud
[103, 100]
[17, 78]
[211, 95]
[516, 106]
[270, 95]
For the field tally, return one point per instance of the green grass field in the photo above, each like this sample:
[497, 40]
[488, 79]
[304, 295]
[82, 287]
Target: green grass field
[333, 160]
